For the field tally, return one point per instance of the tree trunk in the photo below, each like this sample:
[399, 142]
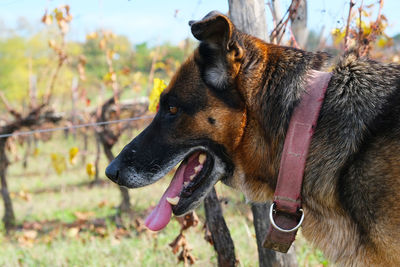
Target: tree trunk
[125, 205]
[74, 100]
[9, 217]
[276, 11]
[85, 146]
[267, 257]
[97, 159]
[249, 16]
[221, 237]
[245, 15]
[27, 151]
[299, 22]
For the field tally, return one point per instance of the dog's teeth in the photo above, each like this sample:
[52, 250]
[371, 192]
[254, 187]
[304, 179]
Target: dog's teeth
[192, 176]
[173, 200]
[202, 158]
[198, 168]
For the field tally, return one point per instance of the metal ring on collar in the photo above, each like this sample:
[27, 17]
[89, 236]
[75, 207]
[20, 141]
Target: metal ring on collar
[271, 218]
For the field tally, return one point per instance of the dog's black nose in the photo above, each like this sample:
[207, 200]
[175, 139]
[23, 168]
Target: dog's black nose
[112, 172]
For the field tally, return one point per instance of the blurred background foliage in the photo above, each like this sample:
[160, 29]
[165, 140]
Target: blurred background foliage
[24, 55]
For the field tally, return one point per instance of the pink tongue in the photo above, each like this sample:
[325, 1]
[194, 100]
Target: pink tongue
[161, 215]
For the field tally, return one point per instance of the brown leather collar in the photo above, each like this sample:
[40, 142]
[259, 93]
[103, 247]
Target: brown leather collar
[286, 213]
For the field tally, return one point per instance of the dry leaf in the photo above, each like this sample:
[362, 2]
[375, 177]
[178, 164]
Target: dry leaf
[101, 231]
[115, 241]
[189, 220]
[84, 216]
[30, 234]
[103, 203]
[73, 231]
[180, 241]
[47, 19]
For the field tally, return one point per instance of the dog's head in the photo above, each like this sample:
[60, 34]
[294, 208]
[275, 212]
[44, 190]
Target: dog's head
[202, 122]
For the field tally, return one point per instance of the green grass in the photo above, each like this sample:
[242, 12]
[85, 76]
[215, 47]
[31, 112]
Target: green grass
[62, 196]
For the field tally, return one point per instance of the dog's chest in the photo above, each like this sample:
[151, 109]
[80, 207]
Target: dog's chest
[337, 236]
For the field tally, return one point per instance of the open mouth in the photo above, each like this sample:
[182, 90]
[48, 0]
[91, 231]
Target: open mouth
[190, 184]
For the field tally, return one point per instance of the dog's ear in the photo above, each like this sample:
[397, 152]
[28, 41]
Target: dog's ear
[220, 53]
[214, 28]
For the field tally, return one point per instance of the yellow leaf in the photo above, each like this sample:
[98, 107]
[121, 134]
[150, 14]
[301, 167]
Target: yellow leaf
[154, 98]
[90, 170]
[58, 162]
[109, 77]
[365, 13]
[91, 36]
[36, 152]
[72, 155]
[58, 14]
[381, 43]
[338, 35]
[159, 65]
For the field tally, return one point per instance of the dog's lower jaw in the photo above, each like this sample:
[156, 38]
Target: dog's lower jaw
[257, 192]
[217, 173]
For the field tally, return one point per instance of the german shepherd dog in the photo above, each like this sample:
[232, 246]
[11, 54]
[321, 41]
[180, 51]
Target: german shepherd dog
[225, 115]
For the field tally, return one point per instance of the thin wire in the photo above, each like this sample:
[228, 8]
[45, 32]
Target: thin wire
[76, 126]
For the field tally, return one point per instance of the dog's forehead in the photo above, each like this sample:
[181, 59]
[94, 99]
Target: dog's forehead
[187, 81]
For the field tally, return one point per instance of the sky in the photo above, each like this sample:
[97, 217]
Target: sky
[158, 21]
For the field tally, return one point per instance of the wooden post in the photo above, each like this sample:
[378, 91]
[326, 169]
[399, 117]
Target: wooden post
[221, 237]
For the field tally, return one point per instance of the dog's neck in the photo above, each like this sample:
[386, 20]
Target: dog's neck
[274, 80]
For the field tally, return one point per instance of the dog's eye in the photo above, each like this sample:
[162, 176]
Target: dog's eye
[173, 110]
